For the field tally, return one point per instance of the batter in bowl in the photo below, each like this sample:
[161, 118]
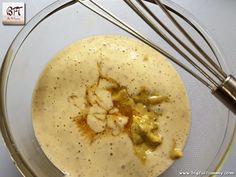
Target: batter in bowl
[111, 106]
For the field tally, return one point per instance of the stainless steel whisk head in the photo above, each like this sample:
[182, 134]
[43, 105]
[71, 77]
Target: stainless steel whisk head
[223, 86]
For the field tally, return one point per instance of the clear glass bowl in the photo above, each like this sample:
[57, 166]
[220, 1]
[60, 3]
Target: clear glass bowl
[65, 22]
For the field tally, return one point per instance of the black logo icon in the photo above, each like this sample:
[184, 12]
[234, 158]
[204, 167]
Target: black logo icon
[13, 10]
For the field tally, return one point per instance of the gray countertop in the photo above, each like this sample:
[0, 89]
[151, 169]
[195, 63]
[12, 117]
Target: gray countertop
[218, 16]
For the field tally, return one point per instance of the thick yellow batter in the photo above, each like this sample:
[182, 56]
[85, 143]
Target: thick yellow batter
[81, 126]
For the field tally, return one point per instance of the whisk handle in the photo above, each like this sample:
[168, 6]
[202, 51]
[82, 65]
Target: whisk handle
[226, 93]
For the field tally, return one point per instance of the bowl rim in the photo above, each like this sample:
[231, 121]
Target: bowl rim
[22, 35]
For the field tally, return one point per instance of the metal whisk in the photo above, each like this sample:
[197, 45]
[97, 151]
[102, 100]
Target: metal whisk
[223, 86]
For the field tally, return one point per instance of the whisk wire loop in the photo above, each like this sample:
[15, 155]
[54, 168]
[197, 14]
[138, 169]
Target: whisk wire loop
[183, 31]
[218, 73]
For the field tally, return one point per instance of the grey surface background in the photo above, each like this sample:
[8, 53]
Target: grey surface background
[218, 16]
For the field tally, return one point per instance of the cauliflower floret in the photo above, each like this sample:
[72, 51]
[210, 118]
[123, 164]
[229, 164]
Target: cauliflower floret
[95, 124]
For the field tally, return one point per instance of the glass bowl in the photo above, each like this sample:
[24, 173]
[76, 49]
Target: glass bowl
[64, 22]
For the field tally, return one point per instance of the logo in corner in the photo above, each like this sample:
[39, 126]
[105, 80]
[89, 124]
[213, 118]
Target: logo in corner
[13, 13]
